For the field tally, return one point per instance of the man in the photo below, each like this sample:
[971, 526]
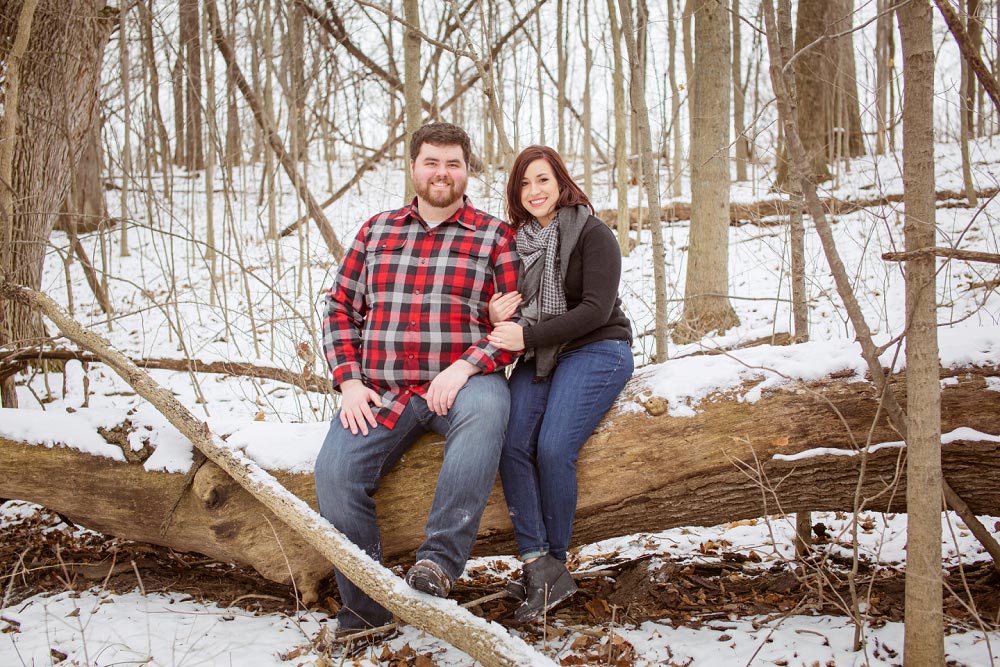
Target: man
[405, 337]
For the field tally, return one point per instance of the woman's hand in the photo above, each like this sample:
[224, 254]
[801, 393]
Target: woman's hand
[507, 336]
[502, 306]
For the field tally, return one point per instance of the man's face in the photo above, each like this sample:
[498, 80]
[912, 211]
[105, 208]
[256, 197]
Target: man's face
[440, 174]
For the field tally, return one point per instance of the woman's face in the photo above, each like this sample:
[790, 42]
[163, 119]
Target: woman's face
[540, 191]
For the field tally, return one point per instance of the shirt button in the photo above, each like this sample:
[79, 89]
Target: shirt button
[411, 356]
[413, 322]
[416, 291]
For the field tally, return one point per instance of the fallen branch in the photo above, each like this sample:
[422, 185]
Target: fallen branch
[13, 362]
[488, 643]
[755, 212]
[951, 253]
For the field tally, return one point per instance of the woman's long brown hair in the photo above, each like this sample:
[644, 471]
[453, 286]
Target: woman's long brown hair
[570, 193]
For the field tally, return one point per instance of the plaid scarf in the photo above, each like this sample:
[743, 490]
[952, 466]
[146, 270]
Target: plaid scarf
[536, 243]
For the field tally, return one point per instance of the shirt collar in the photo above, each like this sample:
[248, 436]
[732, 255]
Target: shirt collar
[464, 216]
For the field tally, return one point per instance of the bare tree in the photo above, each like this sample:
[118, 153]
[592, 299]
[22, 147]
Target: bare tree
[924, 634]
[637, 94]
[45, 126]
[883, 65]
[621, 122]
[411, 80]
[967, 93]
[706, 291]
[190, 81]
[739, 97]
[675, 101]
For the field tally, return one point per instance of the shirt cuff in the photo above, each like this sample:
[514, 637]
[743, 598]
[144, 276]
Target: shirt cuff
[349, 371]
[480, 359]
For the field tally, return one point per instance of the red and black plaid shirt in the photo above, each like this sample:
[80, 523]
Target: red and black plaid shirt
[409, 300]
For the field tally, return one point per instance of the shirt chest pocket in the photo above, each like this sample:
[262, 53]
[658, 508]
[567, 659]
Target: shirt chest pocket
[387, 262]
[467, 272]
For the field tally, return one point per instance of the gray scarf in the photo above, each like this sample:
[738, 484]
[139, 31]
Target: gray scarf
[538, 248]
[545, 253]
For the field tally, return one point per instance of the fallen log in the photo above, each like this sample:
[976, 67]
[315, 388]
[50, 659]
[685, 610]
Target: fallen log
[741, 213]
[638, 472]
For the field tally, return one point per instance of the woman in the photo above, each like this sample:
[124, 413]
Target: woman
[577, 358]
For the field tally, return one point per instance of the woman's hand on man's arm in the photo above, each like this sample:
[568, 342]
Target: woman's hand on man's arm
[502, 306]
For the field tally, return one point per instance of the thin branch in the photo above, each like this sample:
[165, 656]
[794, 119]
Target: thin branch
[986, 79]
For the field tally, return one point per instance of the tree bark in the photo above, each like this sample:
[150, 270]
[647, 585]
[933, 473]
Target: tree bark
[650, 176]
[796, 229]
[739, 96]
[56, 104]
[924, 634]
[411, 83]
[706, 302]
[621, 158]
[813, 80]
[190, 31]
[666, 461]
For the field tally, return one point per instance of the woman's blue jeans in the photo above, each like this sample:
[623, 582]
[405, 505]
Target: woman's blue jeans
[549, 422]
[350, 467]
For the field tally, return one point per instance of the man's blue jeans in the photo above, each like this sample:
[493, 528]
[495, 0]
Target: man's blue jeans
[350, 467]
[549, 422]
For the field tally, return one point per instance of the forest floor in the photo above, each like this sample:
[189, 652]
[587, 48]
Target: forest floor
[43, 554]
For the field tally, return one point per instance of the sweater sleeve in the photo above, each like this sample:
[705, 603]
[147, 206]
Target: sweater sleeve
[601, 263]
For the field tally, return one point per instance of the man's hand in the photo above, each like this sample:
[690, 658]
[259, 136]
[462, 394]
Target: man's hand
[507, 336]
[443, 389]
[355, 411]
[502, 306]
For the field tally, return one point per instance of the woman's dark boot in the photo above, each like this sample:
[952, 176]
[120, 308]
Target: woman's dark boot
[547, 582]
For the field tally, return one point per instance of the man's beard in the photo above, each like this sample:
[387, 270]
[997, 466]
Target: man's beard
[439, 198]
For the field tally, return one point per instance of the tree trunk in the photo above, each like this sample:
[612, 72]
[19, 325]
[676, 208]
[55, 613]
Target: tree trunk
[621, 122]
[84, 206]
[706, 300]
[883, 57]
[851, 132]
[973, 91]
[965, 108]
[739, 96]
[665, 460]
[190, 30]
[411, 82]
[814, 83]
[924, 634]
[650, 176]
[233, 154]
[561, 68]
[294, 63]
[153, 85]
[56, 107]
[675, 103]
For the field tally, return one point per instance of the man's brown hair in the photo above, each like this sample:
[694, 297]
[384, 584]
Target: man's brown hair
[441, 134]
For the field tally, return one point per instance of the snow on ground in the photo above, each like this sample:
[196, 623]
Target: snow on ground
[257, 302]
[95, 627]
